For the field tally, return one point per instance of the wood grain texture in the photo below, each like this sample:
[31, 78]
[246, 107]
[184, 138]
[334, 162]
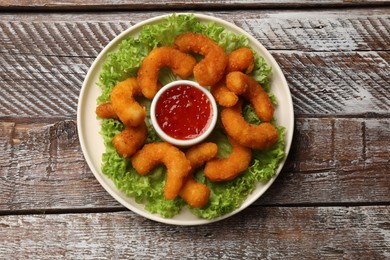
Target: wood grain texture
[42, 166]
[335, 160]
[331, 83]
[329, 30]
[270, 233]
[43, 64]
[176, 4]
[330, 201]
[332, 161]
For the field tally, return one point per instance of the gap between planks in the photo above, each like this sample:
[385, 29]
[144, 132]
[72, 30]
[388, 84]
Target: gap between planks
[123, 209]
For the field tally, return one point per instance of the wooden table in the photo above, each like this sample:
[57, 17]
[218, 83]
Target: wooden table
[331, 200]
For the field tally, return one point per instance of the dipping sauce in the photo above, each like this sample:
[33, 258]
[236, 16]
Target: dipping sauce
[184, 112]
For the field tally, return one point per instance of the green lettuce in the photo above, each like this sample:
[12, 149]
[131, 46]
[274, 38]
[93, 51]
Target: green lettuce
[124, 62]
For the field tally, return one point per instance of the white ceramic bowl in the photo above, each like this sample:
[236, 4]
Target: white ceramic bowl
[92, 143]
[184, 142]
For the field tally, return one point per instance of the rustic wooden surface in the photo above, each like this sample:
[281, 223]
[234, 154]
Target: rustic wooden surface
[332, 199]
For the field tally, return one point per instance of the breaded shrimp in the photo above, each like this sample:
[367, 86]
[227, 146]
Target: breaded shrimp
[224, 169]
[181, 64]
[223, 95]
[211, 69]
[130, 140]
[194, 193]
[200, 153]
[178, 166]
[106, 111]
[236, 83]
[241, 59]
[129, 111]
[253, 136]
[239, 82]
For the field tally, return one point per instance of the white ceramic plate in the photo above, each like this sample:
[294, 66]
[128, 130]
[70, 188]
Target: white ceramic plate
[92, 142]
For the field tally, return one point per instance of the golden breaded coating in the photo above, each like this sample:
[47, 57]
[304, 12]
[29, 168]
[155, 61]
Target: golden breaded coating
[130, 140]
[178, 166]
[241, 83]
[241, 59]
[223, 95]
[129, 111]
[236, 83]
[106, 111]
[181, 64]
[224, 169]
[253, 136]
[201, 153]
[194, 193]
[211, 69]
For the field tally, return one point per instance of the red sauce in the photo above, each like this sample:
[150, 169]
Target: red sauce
[183, 112]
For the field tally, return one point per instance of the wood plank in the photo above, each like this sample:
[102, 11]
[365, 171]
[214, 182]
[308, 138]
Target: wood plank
[172, 4]
[41, 86]
[87, 33]
[332, 84]
[335, 161]
[129, 16]
[319, 31]
[269, 232]
[332, 161]
[58, 53]
[42, 167]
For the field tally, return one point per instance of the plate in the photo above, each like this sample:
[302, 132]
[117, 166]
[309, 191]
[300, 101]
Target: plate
[92, 142]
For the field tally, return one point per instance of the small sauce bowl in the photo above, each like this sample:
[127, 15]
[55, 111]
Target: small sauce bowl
[183, 113]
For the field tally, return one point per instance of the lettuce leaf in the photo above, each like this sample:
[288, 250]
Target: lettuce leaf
[148, 190]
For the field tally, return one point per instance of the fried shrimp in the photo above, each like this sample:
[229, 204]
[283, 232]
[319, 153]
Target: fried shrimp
[224, 169]
[253, 136]
[129, 111]
[194, 193]
[211, 69]
[223, 95]
[181, 64]
[106, 111]
[243, 84]
[178, 166]
[241, 59]
[201, 153]
[130, 140]
[236, 82]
